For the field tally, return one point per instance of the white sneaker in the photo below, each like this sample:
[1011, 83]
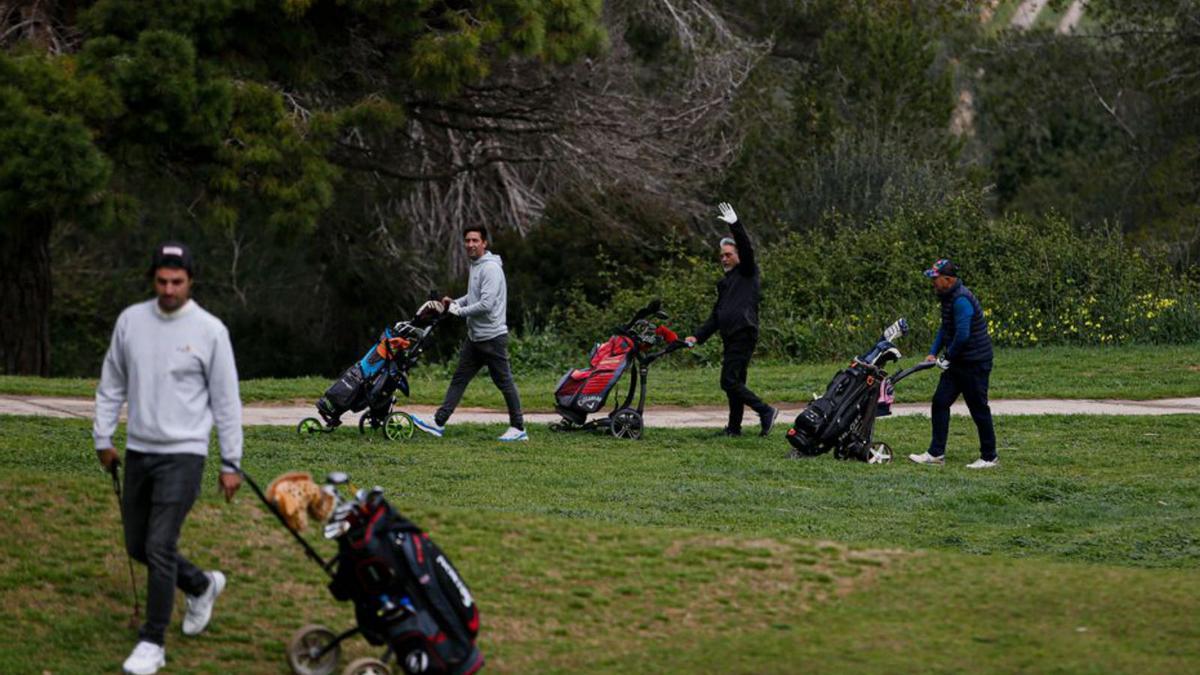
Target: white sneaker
[200, 607]
[146, 659]
[432, 428]
[984, 464]
[514, 434]
[926, 458]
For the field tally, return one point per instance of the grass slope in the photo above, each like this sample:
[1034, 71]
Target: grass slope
[678, 553]
[1138, 372]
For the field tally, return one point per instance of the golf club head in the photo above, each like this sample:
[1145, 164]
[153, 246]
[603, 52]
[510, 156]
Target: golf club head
[895, 331]
[652, 307]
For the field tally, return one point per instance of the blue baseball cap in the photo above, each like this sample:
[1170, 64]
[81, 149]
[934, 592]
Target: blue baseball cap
[942, 268]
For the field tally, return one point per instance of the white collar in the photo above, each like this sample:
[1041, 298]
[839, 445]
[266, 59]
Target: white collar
[171, 316]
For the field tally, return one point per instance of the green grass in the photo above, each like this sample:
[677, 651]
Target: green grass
[679, 553]
[1139, 372]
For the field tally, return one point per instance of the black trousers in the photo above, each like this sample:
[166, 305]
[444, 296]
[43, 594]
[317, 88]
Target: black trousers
[735, 362]
[159, 491]
[473, 356]
[970, 380]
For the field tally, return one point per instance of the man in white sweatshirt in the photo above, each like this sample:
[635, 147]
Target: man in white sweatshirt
[485, 307]
[173, 363]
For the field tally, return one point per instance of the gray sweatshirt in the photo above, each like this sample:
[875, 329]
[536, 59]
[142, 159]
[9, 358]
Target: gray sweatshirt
[178, 375]
[486, 302]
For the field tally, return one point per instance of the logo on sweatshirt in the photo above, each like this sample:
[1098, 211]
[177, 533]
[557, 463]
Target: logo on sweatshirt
[186, 349]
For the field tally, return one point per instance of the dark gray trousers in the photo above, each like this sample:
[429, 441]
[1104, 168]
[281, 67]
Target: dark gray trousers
[473, 356]
[159, 491]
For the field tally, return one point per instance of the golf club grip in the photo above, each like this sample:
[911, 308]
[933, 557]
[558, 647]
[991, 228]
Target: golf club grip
[308, 549]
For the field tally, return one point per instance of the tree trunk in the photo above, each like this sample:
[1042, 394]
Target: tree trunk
[25, 299]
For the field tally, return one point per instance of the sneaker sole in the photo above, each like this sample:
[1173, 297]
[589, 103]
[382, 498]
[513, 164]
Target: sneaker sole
[429, 430]
[917, 461]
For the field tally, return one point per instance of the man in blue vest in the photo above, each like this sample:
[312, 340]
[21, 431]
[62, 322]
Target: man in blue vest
[966, 366]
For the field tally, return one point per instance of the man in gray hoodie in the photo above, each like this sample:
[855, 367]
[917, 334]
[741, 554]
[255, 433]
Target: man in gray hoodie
[173, 363]
[485, 309]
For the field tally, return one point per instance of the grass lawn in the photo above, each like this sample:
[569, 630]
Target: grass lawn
[679, 553]
[1140, 372]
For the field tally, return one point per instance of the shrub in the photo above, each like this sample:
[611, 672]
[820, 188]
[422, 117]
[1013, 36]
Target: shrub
[1040, 281]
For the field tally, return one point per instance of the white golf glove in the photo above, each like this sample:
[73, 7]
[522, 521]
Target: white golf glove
[435, 305]
[943, 362]
[727, 213]
[455, 309]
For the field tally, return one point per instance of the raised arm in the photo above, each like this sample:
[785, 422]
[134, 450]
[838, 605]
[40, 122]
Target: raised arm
[746, 262]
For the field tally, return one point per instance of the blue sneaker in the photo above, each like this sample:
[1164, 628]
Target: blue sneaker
[431, 428]
[514, 434]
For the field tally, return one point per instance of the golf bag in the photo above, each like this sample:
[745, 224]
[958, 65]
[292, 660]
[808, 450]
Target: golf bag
[842, 420]
[583, 392]
[836, 420]
[371, 382]
[406, 592]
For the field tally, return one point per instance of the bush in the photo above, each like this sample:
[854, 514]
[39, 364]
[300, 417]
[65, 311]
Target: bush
[1040, 281]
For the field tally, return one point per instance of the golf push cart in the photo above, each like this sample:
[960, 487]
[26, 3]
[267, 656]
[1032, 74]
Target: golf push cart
[843, 419]
[407, 595]
[633, 346]
[371, 382]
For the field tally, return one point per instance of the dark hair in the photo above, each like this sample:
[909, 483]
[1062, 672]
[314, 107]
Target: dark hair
[476, 228]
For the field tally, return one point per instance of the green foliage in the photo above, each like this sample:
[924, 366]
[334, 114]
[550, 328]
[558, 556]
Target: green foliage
[170, 99]
[49, 166]
[828, 295]
[877, 70]
[855, 124]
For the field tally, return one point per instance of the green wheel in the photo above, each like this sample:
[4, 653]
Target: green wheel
[399, 426]
[310, 425]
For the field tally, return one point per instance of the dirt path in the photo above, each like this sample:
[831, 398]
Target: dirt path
[656, 416]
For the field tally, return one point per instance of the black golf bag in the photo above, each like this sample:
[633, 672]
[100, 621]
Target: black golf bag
[842, 420]
[406, 592]
[838, 420]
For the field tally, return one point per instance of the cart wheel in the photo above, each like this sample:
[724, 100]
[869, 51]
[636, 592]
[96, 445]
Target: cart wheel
[398, 426]
[310, 425]
[367, 666]
[626, 423]
[414, 662]
[365, 420]
[304, 646]
[881, 453]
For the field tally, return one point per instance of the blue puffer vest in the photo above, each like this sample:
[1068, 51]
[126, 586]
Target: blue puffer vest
[979, 345]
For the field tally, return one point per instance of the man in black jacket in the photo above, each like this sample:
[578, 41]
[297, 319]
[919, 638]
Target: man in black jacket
[735, 314]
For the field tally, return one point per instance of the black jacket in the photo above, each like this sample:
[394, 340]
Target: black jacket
[738, 294]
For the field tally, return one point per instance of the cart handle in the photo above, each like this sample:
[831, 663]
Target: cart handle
[308, 549]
